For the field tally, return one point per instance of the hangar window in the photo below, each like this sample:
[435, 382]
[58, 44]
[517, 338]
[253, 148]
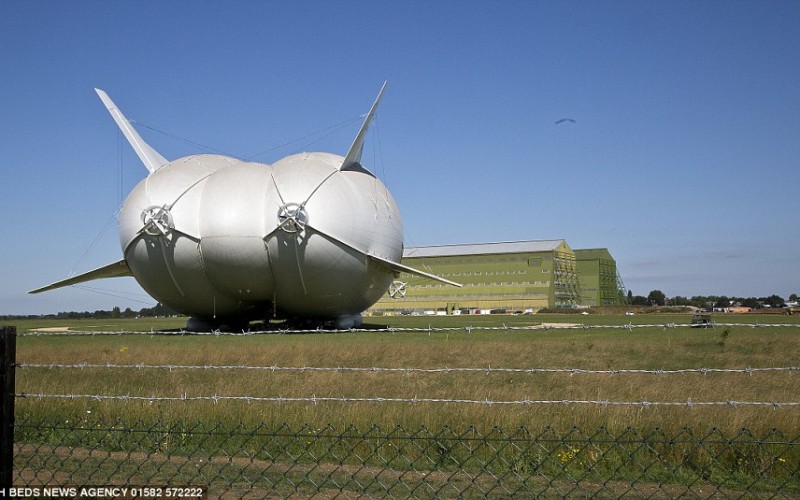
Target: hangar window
[535, 261]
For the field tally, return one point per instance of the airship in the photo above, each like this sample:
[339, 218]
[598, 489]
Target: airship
[312, 237]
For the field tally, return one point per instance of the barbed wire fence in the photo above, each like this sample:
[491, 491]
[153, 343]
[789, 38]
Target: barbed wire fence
[430, 329]
[230, 458]
[375, 369]
[413, 400]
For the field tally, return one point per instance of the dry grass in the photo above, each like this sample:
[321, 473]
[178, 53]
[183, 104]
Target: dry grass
[654, 348]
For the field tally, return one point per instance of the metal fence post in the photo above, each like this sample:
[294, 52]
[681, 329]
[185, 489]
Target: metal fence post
[8, 352]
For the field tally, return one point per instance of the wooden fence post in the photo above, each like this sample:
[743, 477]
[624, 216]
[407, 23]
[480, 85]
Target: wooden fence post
[8, 352]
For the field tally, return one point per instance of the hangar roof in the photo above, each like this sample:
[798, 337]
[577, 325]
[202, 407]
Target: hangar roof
[485, 248]
[593, 254]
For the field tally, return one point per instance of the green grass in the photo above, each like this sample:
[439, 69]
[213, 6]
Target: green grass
[224, 457]
[331, 430]
[659, 347]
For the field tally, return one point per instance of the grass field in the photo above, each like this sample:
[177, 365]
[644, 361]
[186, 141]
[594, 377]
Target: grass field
[654, 348]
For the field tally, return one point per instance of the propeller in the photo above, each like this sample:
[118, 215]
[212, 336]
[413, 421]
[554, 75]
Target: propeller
[397, 290]
[292, 219]
[158, 222]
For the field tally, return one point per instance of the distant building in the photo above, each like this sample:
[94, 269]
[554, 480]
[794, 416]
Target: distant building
[522, 276]
[598, 278]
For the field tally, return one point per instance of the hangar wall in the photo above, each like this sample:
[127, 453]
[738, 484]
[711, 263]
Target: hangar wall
[522, 276]
[597, 272]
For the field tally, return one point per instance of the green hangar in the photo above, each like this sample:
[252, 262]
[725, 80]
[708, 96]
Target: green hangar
[521, 276]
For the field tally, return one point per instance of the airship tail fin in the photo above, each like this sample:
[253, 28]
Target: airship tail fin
[353, 159]
[115, 270]
[149, 156]
[394, 266]
[400, 268]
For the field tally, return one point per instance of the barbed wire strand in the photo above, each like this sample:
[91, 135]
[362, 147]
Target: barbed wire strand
[414, 400]
[342, 369]
[466, 329]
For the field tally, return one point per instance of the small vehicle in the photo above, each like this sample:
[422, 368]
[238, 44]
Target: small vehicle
[702, 320]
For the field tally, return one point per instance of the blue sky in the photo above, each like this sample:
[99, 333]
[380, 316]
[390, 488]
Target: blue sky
[683, 159]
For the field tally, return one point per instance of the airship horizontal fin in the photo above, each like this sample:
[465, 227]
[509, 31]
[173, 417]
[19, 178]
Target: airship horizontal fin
[149, 156]
[396, 266]
[353, 159]
[115, 270]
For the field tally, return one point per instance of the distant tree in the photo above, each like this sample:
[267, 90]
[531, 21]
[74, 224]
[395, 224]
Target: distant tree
[697, 301]
[656, 298]
[116, 313]
[157, 310]
[128, 313]
[793, 297]
[775, 301]
[638, 300]
[680, 301]
[751, 302]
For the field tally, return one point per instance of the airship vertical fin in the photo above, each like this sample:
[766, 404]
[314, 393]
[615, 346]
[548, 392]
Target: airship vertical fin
[353, 159]
[149, 156]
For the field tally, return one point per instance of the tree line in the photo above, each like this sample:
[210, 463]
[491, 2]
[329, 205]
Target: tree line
[658, 298]
[159, 310]
[654, 298]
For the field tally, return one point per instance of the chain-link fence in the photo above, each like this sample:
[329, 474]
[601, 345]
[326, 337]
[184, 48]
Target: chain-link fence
[281, 461]
[172, 456]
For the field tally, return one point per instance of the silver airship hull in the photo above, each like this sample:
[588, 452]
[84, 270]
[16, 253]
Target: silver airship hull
[314, 235]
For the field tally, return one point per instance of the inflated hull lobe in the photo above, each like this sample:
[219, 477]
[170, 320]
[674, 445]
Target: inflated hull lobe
[222, 252]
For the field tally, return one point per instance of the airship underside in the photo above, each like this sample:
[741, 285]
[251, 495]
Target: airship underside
[225, 241]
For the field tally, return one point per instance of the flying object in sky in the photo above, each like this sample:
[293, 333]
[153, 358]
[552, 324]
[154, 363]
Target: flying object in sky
[312, 236]
[563, 120]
